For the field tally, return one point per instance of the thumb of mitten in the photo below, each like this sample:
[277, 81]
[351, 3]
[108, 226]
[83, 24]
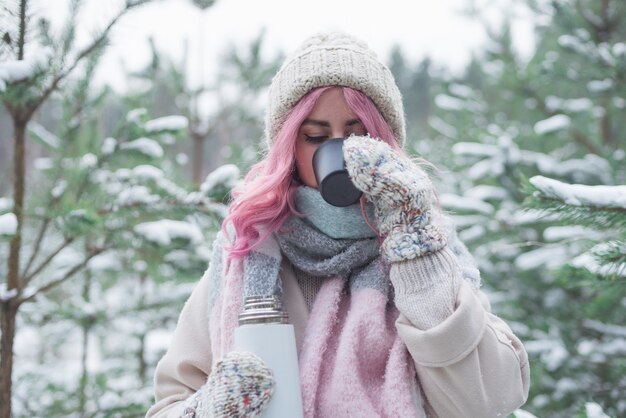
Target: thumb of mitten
[240, 385]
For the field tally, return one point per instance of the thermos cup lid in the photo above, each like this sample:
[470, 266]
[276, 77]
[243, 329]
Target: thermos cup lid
[332, 177]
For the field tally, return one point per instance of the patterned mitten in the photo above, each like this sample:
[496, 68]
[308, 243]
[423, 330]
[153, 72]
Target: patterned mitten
[403, 196]
[240, 385]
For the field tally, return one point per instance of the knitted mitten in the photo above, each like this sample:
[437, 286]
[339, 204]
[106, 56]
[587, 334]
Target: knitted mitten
[240, 385]
[403, 197]
[424, 272]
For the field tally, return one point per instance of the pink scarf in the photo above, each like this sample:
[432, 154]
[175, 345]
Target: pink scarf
[352, 361]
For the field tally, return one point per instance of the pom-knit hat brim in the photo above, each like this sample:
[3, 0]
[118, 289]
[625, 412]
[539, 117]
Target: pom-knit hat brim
[334, 59]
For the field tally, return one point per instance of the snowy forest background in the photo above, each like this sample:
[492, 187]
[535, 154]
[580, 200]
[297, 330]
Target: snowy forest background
[109, 202]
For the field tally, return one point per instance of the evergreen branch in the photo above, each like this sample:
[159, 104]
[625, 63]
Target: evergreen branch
[618, 330]
[40, 235]
[21, 43]
[600, 196]
[148, 307]
[45, 223]
[606, 218]
[583, 140]
[69, 32]
[65, 243]
[612, 256]
[96, 43]
[65, 277]
[525, 88]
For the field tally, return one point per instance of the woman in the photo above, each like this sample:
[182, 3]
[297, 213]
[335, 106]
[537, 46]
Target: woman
[384, 299]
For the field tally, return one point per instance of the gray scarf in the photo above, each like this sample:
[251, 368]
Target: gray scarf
[329, 242]
[332, 241]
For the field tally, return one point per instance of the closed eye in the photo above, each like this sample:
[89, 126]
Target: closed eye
[315, 139]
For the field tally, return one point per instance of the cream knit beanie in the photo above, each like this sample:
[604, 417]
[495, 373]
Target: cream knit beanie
[329, 59]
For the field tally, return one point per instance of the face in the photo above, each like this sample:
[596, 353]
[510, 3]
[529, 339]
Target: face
[330, 118]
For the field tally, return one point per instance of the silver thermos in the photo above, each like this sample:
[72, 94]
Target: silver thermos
[264, 330]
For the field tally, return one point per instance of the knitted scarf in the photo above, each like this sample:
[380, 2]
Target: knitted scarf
[352, 361]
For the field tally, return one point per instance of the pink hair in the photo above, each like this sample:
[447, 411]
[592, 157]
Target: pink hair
[265, 199]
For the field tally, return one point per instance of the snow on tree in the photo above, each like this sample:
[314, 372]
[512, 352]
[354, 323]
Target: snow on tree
[86, 276]
[551, 254]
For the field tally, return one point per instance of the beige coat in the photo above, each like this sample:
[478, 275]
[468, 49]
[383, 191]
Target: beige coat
[470, 365]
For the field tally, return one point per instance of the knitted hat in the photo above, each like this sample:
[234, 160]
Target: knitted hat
[334, 59]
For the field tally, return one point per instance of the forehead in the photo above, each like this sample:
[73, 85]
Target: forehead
[331, 105]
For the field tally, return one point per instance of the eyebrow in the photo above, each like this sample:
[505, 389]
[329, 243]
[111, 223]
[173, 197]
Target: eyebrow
[326, 124]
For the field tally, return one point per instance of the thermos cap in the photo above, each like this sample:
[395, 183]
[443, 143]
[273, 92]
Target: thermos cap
[263, 309]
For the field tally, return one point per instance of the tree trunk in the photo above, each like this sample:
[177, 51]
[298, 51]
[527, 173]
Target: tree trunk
[198, 145]
[7, 319]
[86, 326]
[10, 307]
[141, 352]
[9, 313]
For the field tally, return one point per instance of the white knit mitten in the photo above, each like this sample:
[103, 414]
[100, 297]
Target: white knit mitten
[240, 385]
[403, 196]
[425, 273]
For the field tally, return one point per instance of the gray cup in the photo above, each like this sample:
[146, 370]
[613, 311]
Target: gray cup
[332, 177]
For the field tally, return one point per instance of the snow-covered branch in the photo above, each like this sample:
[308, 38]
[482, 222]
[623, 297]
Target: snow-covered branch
[580, 194]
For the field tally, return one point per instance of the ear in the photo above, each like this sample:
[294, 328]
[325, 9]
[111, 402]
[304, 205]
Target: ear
[295, 175]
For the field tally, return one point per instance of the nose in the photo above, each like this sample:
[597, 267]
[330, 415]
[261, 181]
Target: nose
[337, 132]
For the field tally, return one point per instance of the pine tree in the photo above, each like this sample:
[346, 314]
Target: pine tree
[101, 234]
[559, 116]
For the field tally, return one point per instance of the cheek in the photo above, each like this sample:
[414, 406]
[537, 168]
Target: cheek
[304, 164]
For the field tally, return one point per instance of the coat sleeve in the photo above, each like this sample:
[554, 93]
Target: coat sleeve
[470, 364]
[184, 368]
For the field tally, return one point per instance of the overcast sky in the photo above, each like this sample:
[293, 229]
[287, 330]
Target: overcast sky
[423, 28]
